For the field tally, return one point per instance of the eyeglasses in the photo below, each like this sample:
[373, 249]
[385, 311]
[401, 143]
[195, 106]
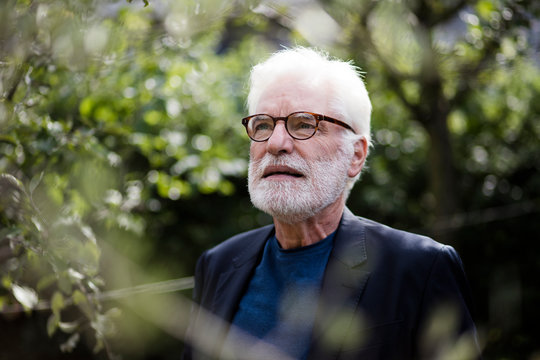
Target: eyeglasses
[300, 125]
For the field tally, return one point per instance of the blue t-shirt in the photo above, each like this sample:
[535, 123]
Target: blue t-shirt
[281, 300]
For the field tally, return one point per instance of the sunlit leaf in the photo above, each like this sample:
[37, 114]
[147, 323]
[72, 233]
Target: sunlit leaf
[485, 8]
[57, 303]
[25, 295]
[68, 327]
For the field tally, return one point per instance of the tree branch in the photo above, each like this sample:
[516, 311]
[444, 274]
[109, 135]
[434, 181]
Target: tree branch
[16, 80]
[393, 76]
[429, 17]
[471, 72]
[447, 13]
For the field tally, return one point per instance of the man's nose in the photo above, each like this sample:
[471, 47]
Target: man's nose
[280, 141]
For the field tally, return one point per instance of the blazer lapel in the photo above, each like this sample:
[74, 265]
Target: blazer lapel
[343, 284]
[228, 291]
[233, 282]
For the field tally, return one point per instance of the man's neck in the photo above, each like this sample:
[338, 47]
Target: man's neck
[311, 230]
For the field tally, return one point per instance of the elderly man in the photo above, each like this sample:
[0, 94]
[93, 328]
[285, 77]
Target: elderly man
[321, 283]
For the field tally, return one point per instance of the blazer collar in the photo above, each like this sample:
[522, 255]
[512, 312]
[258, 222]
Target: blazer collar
[233, 281]
[257, 240]
[350, 241]
[346, 272]
[344, 282]
[348, 254]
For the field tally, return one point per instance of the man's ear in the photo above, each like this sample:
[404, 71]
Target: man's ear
[359, 157]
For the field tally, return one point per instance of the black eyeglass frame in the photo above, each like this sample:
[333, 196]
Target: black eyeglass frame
[318, 118]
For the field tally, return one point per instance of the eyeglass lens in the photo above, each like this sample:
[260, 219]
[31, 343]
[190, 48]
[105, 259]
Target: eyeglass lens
[299, 125]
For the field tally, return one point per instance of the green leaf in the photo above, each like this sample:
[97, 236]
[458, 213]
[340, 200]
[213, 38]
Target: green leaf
[86, 106]
[89, 255]
[485, 8]
[7, 281]
[57, 303]
[106, 114]
[52, 324]
[45, 281]
[153, 117]
[78, 297]
[113, 313]
[82, 303]
[65, 284]
[99, 344]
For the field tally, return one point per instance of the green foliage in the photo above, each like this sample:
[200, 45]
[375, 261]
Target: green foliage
[120, 134]
[51, 257]
[105, 116]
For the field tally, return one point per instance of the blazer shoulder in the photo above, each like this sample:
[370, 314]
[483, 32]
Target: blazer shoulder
[417, 259]
[400, 243]
[378, 229]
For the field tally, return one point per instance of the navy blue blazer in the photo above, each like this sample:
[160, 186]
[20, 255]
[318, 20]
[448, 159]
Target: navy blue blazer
[386, 294]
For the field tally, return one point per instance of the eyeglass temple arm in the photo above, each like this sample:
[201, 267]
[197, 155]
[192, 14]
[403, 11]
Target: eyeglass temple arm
[336, 121]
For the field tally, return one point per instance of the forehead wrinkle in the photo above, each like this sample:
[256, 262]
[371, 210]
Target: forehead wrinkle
[279, 103]
[277, 100]
[280, 106]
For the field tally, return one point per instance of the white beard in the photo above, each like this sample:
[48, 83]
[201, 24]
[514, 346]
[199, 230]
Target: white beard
[297, 199]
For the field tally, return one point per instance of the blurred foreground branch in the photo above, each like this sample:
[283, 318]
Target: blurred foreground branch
[160, 287]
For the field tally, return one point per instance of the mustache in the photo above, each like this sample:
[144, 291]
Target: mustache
[293, 161]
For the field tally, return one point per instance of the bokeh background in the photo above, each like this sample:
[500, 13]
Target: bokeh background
[123, 157]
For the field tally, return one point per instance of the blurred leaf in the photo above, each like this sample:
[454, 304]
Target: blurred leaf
[57, 303]
[7, 282]
[46, 281]
[99, 345]
[65, 284]
[71, 343]
[81, 301]
[485, 8]
[36, 180]
[26, 296]
[68, 327]
[78, 297]
[52, 324]
[129, 116]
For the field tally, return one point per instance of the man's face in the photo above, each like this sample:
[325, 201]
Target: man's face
[290, 179]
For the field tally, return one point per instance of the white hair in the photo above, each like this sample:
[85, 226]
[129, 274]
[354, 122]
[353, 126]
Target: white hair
[348, 95]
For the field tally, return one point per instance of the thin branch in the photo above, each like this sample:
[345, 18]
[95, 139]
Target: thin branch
[484, 216]
[161, 287]
[395, 85]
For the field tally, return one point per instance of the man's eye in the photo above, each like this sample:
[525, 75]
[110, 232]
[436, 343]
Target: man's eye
[306, 125]
[302, 124]
[262, 126]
